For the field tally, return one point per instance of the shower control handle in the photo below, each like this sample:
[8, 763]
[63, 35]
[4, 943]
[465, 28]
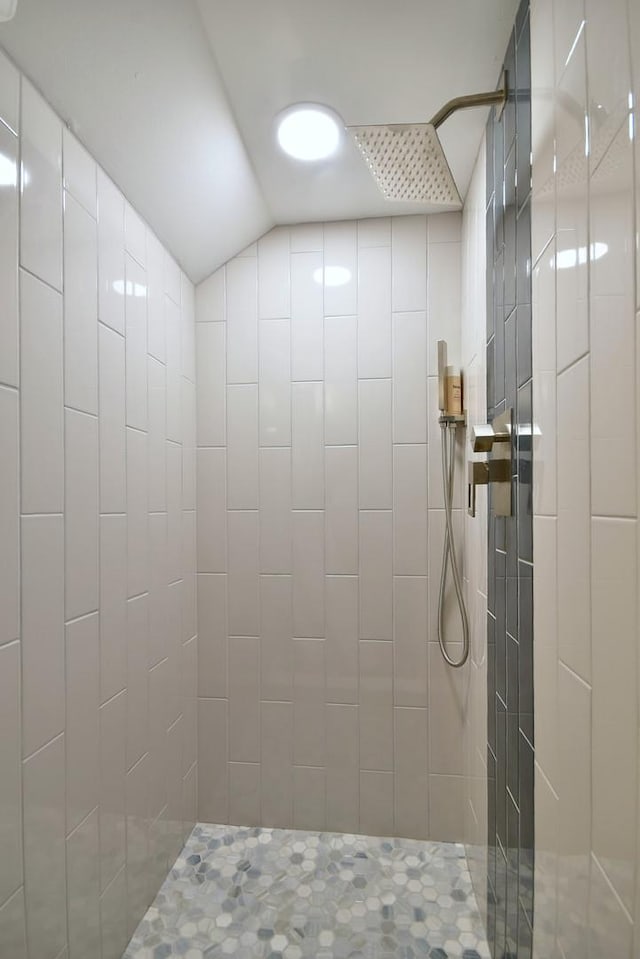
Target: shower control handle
[484, 437]
[497, 469]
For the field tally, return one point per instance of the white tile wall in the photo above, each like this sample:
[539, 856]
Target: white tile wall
[585, 332]
[313, 531]
[468, 710]
[75, 711]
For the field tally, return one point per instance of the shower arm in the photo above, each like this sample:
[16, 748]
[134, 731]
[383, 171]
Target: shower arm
[498, 96]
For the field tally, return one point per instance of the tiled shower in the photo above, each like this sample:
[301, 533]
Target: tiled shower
[221, 534]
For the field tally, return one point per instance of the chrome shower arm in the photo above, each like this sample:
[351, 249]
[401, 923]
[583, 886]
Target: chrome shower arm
[498, 96]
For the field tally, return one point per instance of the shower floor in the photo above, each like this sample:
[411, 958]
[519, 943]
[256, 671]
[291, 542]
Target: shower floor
[285, 894]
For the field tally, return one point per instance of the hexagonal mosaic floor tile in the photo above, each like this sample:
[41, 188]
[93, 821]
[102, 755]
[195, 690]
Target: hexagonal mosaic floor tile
[285, 894]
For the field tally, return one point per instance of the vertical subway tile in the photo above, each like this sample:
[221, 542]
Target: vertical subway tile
[41, 188]
[211, 510]
[244, 700]
[573, 517]
[276, 771]
[174, 511]
[112, 435]
[80, 307]
[213, 787]
[306, 237]
[113, 917]
[212, 635]
[172, 321]
[340, 380]
[410, 510]
[83, 889]
[157, 434]
[444, 302]
[340, 286]
[446, 808]
[341, 513]
[242, 580]
[308, 574]
[44, 850]
[276, 631]
[137, 678]
[376, 705]
[81, 729]
[375, 231]
[307, 449]
[12, 924]
[446, 702]
[274, 298]
[275, 510]
[137, 513]
[111, 281]
[136, 343]
[244, 793]
[374, 429]
[9, 516]
[341, 645]
[409, 263]
[81, 513]
[411, 772]
[43, 708]
[210, 379]
[113, 605]
[11, 771]
[113, 730]
[410, 377]
[410, 640]
[10, 99]
[275, 387]
[211, 298]
[374, 312]
[9, 331]
[376, 574]
[376, 803]
[41, 397]
[135, 239]
[342, 776]
[614, 730]
[309, 798]
[308, 702]
[137, 797]
[242, 446]
[242, 320]
[306, 315]
[156, 331]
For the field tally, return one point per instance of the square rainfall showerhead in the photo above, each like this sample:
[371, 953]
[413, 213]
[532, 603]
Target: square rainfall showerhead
[407, 162]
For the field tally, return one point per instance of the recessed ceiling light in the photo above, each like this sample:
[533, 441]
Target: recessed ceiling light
[309, 132]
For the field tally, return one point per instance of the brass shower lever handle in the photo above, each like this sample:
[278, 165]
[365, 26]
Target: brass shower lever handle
[494, 439]
[483, 472]
[484, 437]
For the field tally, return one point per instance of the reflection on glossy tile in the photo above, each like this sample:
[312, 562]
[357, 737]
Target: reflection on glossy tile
[41, 188]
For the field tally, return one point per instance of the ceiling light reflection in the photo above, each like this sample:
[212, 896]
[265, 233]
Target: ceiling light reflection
[567, 259]
[332, 275]
[8, 171]
[129, 289]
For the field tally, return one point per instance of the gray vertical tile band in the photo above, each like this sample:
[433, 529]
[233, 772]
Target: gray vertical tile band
[510, 721]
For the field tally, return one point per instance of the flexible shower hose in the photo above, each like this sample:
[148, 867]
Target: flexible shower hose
[449, 552]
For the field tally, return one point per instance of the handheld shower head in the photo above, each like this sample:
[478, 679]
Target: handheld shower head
[407, 160]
